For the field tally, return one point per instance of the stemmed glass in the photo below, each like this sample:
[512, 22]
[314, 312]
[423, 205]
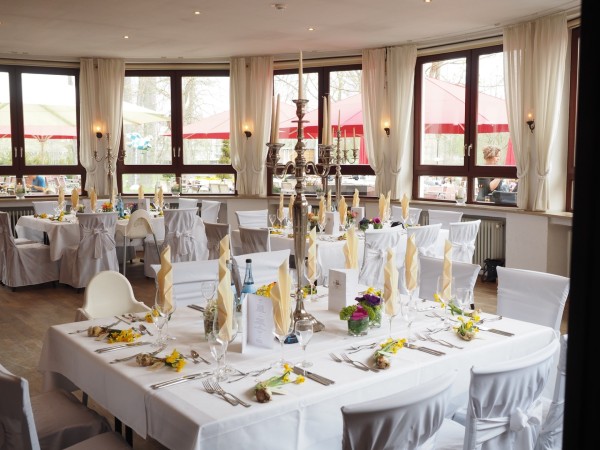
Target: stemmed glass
[312, 280]
[218, 348]
[272, 218]
[440, 293]
[304, 332]
[280, 217]
[161, 314]
[392, 310]
[322, 224]
[463, 297]
[208, 289]
[409, 313]
[281, 337]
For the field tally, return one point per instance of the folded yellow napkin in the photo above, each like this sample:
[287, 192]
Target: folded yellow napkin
[342, 210]
[93, 200]
[141, 192]
[280, 211]
[280, 296]
[161, 197]
[390, 284]
[164, 280]
[322, 210]
[388, 199]
[382, 206]
[411, 264]
[355, 199]
[74, 198]
[224, 293]
[351, 249]
[405, 207]
[447, 271]
[291, 207]
[329, 200]
[61, 195]
[156, 197]
[311, 270]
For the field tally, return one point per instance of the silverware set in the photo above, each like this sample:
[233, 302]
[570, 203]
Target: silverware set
[127, 358]
[358, 348]
[424, 349]
[428, 337]
[252, 373]
[84, 330]
[358, 364]
[183, 379]
[215, 388]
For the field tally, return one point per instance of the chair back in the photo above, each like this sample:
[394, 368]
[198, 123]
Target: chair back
[210, 211]
[377, 243]
[408, 419]
[465, 275]
[425, 238]
[215, 232]
[96, 233]
[463, 236]
[186, 203]
[185, 234]
[45, 207]
[532, 296]
[253, 219]
[444, 217]
[107, 294]
[414, 214]
[139, 225]
[265, 266]
[255, 240]
[504, 407]
[188, 277]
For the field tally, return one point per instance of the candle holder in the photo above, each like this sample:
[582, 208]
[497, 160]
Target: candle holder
[110, 158]
[341, 157]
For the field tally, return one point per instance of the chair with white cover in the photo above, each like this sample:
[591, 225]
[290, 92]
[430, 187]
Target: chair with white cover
[406, 420]
[215, 232]
[188, 277]
[109, 294]
[25, 264]
[265, 266]
[253, 219]
[45, 207]
[463, 236]
[185, 234]
[425, 238]
[52, 420]
[444, 217]
[95, 252]
[186, 203]
[138, 227]
[255, 240]
[377, 243]
[209, 211]
[550, 436]
[465, 275]
[532, 296]
[414, 214]
[504, 407]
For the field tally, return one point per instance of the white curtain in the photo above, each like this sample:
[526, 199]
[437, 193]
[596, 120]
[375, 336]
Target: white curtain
[401, 63]
[251, 81]
[87, 113]
[375, 113]
[518, 47]
[549, 59]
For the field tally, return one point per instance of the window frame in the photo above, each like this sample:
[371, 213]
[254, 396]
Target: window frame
[572, 132]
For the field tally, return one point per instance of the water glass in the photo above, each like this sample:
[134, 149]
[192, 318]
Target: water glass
[304, 333]
[445, 299]
[463, 298]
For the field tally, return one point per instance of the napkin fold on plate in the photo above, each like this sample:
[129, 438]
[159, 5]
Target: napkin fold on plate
[405, 207]
[329, 200]
[382, 206]
[311, 269]
[161, 197]
[164, 280]
[291, 207]
[93, 199]
[390, 284]
[74, 198]
[388, 199]
[355, 199]
[351, 249]
[322, 210]
[280, 296]
[224, 294]
[411, 264]
[61, 195]
[447, 272]
[343, 210]
[141, 192]
[280, 210]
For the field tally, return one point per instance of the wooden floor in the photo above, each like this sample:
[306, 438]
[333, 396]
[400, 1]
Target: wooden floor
[28, 312]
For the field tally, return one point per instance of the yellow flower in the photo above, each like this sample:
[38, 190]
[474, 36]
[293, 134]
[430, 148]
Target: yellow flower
[265, 291]
[438, 299]
[123, 336]
[299, 380]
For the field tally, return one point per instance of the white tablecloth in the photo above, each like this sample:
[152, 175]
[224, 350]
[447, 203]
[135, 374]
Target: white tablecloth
[184, 416]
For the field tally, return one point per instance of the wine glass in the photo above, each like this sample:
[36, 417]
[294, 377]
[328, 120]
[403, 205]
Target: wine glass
[444, 299]
[272, 218]
[227, 369]
[391, 308]
[218, 348]
[280, 217]
[281, 336]
[161, 313]
[208, 289]
[304, 333]
[312, 277]
[322, 224]
[463, 297]
[408, 307]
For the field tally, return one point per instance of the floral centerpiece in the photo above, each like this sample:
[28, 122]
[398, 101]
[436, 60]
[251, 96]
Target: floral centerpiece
[263, 389]
[357, 318]
[371, 301]
[386, 349]
[174, 360]
[107, 207]
[466, 328]
[364, 224]
[350, 217]
[128, 335]
[377, 224]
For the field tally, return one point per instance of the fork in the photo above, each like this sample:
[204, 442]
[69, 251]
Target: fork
[338, 359]
[359, 363]
[211, 390]
[429, 338]
[223, 392]
[252, 373]
[358, 348]
[83, 330]
[127, 358]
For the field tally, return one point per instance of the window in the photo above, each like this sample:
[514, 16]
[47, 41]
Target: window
[573, 94]
[460, 116]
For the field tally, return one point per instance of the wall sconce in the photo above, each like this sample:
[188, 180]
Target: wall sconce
[386, 128]
[98, 133]
[530, 122]
[247, 132]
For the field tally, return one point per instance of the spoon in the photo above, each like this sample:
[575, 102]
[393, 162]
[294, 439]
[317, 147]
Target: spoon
[196, 356]
[143, 329]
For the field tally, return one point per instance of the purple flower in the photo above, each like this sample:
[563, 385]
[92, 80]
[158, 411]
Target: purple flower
[371, 300]
[359, 313]
[376, 220]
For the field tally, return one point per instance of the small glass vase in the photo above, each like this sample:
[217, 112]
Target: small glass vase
[176, 186]
[20, 188]
[358, 327]
[376, 321]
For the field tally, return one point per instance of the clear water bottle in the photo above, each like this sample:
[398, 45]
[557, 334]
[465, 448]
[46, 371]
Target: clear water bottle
[248, 286]
[233, 289]
[120, 206]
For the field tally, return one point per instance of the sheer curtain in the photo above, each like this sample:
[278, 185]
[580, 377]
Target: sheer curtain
[401, 79]
[375, 113]
[251, 101]
[87, 113]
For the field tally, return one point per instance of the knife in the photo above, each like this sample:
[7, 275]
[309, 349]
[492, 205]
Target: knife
[183, 379]
[494, 330]
[196, 307]
[119, 347]
[424, 349]
[313, 376]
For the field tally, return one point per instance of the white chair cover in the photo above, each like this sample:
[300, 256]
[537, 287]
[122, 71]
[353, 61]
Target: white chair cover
[465, 275]
[96, 250]
[406, 420]
[425, 238]
[264, 266]
[188, 203]
[139, 226]
[108, 294]
[463, 236]
[532, 296]
[413, 213]
[377, 243]
[52, 420]
[215, 232]
[45, 207]
[188, 277]
[444, 217]
[551, 434]
[255, 240]
[253, 219]
[24, 264]
[185, 234]
[210, 211]
[504, 410]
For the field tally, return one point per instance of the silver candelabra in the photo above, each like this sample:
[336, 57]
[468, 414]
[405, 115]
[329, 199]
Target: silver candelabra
[111, 159]
[341, 157]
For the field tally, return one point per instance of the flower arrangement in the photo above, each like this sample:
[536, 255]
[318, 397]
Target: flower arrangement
[107, 207]
[174, 360]
[455, 310]
[386, 349]
[128, 335]
[98, 331]
[364, 224]
[351, 216]
[358, 319]
[265, 290]
[41, 216]
[377, 224]
[466, 328]
[263, 391]
[175, 188]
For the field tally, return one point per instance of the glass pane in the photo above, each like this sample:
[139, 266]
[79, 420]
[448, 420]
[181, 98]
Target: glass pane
[205, 120]
[502, 191]
[209, 183]
[5, 140]
[442, 188]
[150, 182]
[49, 119]
[50, 184]
[147, 120]
[443, 112]
[7, 185]
[492, 119]
[364, 183]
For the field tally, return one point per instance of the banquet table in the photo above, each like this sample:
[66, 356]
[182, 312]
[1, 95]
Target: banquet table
[184, 416]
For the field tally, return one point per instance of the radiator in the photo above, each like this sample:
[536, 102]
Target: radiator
[15, 212]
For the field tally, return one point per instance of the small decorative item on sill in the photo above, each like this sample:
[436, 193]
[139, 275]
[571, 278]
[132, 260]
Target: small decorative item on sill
[358, 320]
[460, 196]
[20, 188]
[176, 187]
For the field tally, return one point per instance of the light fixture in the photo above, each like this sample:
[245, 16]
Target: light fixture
[530, 122]
[98, 133]
[386, 128]
[247, 132]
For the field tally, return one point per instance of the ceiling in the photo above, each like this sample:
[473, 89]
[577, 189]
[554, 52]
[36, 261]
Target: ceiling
[169, 30]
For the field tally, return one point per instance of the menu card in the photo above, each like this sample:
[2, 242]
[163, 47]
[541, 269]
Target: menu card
[343, 286]
[360, 212]
[257, 316]
[333, 222]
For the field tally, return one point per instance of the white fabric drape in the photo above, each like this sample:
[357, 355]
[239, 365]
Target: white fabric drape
[518, 47]
[550, 43]
[401, 63]
[375, 113]
[251, 86]
[87, 113]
